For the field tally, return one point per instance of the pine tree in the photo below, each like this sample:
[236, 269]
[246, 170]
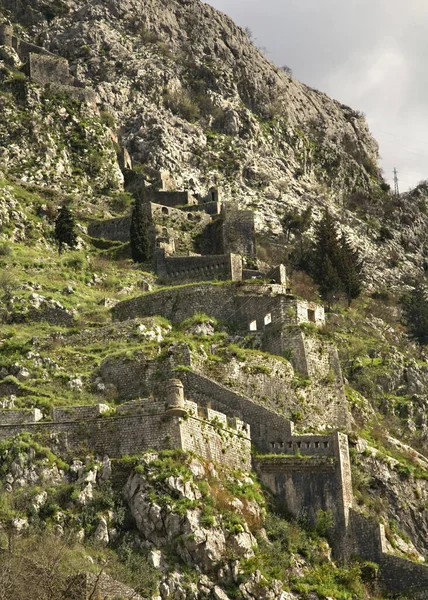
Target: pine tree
[140, 233]
[415, 307]
[336, 266]
[65, 233]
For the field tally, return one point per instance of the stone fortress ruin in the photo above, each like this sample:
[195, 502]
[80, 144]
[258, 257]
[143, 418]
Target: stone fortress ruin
[306, 472]
[43, 67]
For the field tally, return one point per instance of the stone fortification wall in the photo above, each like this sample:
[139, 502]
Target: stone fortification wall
[212, 435]
[141, 426]
[137, 376]
[211, 208]
[20, 417]
[248, 306]
[168, 223]
[232, 231]
[44, 69]
[399, 576]
[314, 358]
[169, 198]
[111, 229]
[132, 377]
[319, 478]
[238, 233]
[78, 413]
[265, 424]
[199, 268]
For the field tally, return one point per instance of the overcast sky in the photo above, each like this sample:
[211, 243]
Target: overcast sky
[369, 54]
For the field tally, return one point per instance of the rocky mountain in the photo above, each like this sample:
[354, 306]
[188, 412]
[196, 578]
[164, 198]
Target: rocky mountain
[171, 94]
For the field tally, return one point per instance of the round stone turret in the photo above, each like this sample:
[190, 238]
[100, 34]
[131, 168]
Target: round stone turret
[175, 398]
[6, 34]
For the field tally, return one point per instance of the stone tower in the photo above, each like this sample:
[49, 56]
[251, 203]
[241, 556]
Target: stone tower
[6, 34]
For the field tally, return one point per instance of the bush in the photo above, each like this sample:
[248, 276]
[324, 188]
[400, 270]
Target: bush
[180, 103]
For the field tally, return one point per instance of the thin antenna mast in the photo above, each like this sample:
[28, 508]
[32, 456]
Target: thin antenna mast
[396, 188]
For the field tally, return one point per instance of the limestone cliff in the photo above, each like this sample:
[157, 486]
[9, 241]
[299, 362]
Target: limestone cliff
[184, 90]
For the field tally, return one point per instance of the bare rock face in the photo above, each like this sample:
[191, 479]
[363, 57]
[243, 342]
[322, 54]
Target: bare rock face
[194, 97]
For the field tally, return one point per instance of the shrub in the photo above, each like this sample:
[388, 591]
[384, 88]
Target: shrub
[180, 103]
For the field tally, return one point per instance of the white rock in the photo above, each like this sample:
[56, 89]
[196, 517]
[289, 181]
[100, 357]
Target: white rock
[86, 495]
[101, 535]
[39, 501]
[219, 594]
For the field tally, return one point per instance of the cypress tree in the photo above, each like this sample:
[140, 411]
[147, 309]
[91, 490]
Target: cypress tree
[326, 258]
[415, 308]
[65, 233]
[140, 233]
[349, 270]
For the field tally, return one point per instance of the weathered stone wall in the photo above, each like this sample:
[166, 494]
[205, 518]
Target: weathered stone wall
[238, 232]
[198, 268]
[66, 414]
[132, 377]
[232, 231]
[313, 481]
[238, 305]
[45, 69]
[20, 417]
[111, 229]
[143, 427]
[399, 576]
[169, 198]
[211, 435]
[265, 424]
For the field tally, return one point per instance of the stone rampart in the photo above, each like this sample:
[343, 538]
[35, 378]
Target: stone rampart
[266, 425]
[20, 417]
[169, 198]
[67, 414]
[233, 230]
[398, 575]
[318, 478]
[111, 229]
[199, 268]
[139, 427]
[44, 67]
[248, 307]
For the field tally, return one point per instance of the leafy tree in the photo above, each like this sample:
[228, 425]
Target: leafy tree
[415, 308]
[65, 233]
[140, 233]
[296, 223]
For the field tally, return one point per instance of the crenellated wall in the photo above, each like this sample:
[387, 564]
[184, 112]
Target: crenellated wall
[137, 427]
[398, 575]
[317, 477]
